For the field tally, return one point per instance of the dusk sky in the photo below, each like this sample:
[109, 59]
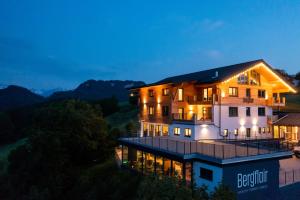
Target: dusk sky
[47, 44]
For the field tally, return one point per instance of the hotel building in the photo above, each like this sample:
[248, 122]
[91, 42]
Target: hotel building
[212, 126]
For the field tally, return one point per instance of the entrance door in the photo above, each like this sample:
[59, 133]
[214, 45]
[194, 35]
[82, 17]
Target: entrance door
[248, 132]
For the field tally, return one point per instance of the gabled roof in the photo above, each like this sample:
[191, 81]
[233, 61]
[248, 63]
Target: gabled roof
[291, 119]
[209, 76]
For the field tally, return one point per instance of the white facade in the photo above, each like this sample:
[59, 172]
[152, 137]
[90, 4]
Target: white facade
[236, 127]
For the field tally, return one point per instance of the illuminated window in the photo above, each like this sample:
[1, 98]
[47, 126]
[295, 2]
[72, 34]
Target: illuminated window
[176, 131]
[233, 92]
[157, 129]
[151, 110]
[165, 130]
[236, 131]
[264, 130]
[225, 132]
[151, 93]
[233, 111]
[261, 93]
[207, 94]
[180, 94]
[187, 132]
[165, 91]
[261, 111]
[259, 129]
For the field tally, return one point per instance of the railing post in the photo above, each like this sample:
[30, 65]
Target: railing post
[247, 149]
[214, 150]
[223, 151]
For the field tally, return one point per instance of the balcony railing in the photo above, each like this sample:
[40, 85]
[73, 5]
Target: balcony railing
[215, 149]
[192, 118]
[278, 101]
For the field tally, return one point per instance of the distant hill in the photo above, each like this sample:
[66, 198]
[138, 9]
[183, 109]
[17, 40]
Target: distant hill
[95, 90]
[16, 96]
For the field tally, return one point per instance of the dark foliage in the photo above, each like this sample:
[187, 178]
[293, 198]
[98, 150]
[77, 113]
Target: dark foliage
[108, 105]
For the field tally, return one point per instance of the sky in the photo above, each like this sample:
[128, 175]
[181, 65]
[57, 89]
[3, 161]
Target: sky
[47, 44]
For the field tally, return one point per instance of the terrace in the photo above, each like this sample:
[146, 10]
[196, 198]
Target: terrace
[220, 151]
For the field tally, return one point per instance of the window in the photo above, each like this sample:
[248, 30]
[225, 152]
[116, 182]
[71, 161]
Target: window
[157, 130]
[233, 92]
[259, 129]
[263, 130]
[248, 93]
[248, 111]
[165, 130]
[151, 110]
[180, 113]
[243, 78]
[187, 132]
[207, 94]
[225, 132]
[165, 91]
[236, 131]
[261, 111]
[233, 111]
[206, 174]
[261, 93]
[248, 132]
[165, 111]
[180, 94]
[151, 93]
[176, 131]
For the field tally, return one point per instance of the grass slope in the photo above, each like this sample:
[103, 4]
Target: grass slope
[127, 113]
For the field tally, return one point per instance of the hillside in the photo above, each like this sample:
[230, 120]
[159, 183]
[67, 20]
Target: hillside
[16, 96]
[95, 90]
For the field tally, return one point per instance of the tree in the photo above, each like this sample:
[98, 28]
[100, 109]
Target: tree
[223, 192]
[65, 137]
[7, 129]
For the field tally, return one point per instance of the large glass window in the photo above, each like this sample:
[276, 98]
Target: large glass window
[180, 94]
[157, 130]
[177, 169]
[248, 132]
[149, 163]
[151, 129]
[233, 111]
[165, 130]
[233, 91]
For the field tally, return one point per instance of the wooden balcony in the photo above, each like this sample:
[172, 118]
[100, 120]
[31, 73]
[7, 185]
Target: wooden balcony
[278, 101]
[196, 100]
[192, 118]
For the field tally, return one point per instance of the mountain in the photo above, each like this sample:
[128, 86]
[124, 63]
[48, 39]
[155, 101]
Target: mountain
[45, 92]
[95, 90]
[16, 96]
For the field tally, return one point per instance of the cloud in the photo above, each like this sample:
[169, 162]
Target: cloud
[211, 25]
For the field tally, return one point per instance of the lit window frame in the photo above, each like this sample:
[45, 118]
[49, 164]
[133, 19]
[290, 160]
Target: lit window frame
[187, 132]
[176, 131]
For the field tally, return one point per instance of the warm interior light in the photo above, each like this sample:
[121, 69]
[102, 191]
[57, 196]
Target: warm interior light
[269, 70]
[242, 122]
[254, 121]
[222, 94]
